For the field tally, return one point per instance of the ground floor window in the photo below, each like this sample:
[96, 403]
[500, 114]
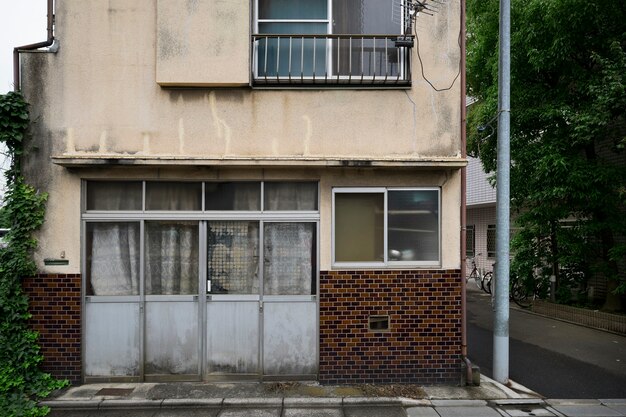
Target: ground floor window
[168, 238]
[386, 226]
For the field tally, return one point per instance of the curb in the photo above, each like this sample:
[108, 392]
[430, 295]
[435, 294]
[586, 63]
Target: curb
[291, 402]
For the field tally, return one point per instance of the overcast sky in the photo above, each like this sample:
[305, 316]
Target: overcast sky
[22, 22]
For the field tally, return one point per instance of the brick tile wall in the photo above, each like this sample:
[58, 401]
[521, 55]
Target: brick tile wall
[423, 344]
[55, 309]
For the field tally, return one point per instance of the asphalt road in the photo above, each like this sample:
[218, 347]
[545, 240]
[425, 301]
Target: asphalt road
[551, 357]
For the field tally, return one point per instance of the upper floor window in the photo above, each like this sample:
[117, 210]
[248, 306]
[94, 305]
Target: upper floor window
[329, 42]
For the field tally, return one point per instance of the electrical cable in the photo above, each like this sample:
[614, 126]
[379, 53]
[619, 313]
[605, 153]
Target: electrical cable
[417, 45]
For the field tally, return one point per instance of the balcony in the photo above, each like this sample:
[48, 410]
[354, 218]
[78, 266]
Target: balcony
[359, 61]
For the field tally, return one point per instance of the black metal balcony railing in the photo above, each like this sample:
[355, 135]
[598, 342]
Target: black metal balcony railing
[359, 60]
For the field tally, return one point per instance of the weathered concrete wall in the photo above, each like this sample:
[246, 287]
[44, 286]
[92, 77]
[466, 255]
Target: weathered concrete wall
[203, 42]
[102, 90]
[61, 233]
[98, 98]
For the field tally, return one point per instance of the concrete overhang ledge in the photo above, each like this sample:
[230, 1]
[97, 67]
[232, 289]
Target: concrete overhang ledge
[93, 161]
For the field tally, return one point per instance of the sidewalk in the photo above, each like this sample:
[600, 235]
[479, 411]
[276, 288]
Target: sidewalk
[295, 399]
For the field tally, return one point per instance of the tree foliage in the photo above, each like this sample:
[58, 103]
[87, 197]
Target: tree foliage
[568, 131]
[22, 382]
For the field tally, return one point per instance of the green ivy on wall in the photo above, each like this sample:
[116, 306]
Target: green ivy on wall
[22, 382]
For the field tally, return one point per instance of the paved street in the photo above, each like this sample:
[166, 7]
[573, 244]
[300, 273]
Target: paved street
[553, 358]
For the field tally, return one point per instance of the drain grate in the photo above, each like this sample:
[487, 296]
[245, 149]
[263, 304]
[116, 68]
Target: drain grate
[117, 392]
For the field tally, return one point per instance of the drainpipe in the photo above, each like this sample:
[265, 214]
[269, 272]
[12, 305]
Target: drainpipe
[18, 49]
[468, 363]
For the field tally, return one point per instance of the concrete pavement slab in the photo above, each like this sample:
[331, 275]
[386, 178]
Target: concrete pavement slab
[191, 402]
[312, 402]
[353, 401]
[250, 412]
[527, 411]
[467, 411]
[586, 410]
[252, 402]
[457, 403]
[312, 412]
[79, 404]
[609, 401]
[620, 408]
[421, 412]
[187, 412]
[104, 413]
[373, 411]
[517, 402]
[131, 403]
[572, 401]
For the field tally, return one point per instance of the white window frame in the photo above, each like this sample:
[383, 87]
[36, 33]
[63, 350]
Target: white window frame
[386, 262]
[202, 217]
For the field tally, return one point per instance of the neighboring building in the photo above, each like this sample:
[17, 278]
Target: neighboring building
[226, 205]
[481, 217]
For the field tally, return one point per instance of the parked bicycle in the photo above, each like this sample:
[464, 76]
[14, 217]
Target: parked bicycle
[475, 274]
[521, 292]
[482, 281]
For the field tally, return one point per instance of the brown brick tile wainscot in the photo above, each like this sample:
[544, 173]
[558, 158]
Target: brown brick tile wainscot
[423, 343]
[55, 309]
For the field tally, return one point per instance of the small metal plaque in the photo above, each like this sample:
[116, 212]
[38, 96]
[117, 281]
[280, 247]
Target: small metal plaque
[49, 261]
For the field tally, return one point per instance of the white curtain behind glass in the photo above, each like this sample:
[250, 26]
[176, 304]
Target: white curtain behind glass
[233, 257]
[114, 258]
[288, 267]
[171, 258]
[291, 196]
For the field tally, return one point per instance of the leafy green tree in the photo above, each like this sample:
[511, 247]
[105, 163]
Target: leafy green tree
[568, 131]
[22, 382]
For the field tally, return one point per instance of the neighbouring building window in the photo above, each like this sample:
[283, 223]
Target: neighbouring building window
[386, 226]
[256, 236]
[491, 241]
[470, 240]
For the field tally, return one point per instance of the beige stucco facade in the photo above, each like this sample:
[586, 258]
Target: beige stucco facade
[108, 105]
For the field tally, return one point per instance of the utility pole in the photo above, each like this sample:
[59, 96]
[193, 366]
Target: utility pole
[501, 317]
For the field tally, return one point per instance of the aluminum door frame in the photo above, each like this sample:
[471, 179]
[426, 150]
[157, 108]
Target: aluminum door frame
[140, 301]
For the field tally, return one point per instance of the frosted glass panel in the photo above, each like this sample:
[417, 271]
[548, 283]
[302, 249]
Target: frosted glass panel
[359, 224]
[289, 259]
[366, 17]
[173, 196]
[112, 258]
[171, 257]
[244, 196]
[233, 257]
[114, 195]
[290, 196]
